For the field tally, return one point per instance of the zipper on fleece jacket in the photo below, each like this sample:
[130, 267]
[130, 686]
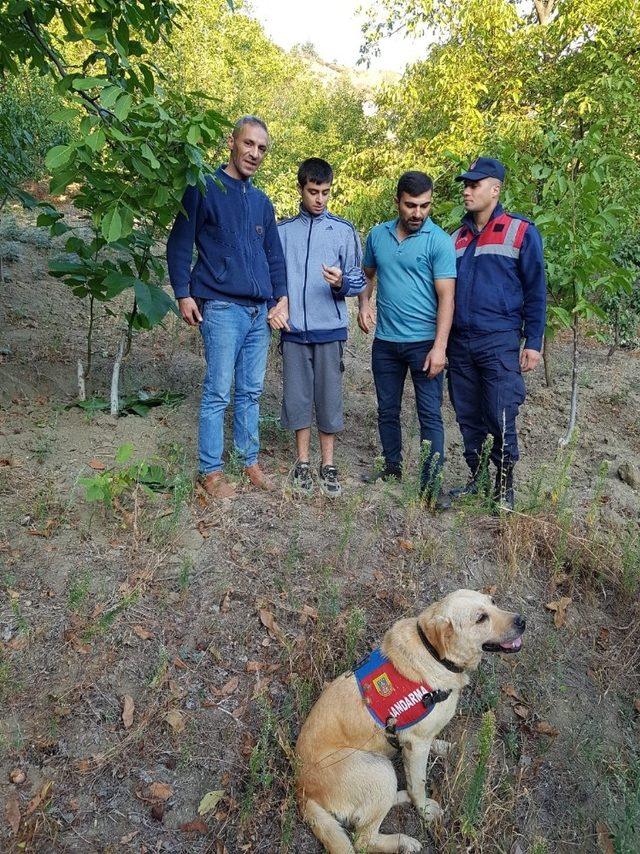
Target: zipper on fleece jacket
[304, 286]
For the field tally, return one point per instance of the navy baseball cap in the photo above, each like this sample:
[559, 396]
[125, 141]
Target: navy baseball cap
[483, 167]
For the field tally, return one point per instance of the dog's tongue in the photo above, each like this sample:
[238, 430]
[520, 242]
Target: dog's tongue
[516, 644]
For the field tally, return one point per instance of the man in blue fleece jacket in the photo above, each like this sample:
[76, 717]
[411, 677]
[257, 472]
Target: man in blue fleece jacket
[238, 273]
[500, 298]
[324, 265]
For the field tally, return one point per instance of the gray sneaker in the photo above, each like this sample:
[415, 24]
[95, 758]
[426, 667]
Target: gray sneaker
[329, 483]
[302, 481]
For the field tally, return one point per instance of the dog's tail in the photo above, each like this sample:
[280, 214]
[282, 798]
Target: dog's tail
[327, 828]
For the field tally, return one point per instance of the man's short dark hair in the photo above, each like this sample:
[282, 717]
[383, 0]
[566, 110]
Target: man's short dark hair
[314, 170]
[248, 120]
[414, 184]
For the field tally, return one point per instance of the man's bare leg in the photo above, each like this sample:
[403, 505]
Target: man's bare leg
[326, 447]
[303, 441]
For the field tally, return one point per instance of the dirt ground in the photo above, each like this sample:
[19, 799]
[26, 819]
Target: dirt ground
[160, 649]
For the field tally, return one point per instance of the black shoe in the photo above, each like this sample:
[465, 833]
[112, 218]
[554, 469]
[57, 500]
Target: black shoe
[503, 493]
[329, 483]
[442, 501]
[389, 472]
[471, 487]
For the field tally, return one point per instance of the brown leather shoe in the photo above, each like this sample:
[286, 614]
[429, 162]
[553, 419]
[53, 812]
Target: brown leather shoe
[216, 485]
[258, 478]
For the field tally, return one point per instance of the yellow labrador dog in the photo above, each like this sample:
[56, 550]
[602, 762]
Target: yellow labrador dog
[400, 697]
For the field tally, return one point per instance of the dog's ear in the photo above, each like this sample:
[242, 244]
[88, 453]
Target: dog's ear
[439, 632]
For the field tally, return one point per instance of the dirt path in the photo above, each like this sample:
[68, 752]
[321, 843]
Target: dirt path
[214, 628]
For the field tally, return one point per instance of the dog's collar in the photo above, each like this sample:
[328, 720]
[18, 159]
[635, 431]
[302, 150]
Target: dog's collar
[434, 652]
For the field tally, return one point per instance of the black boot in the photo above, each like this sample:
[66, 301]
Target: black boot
[503, 493]
[471, 487]
[478, 483]
[391, 471]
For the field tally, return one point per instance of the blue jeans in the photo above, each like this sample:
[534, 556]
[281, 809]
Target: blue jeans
[236, 341]
[390, 361]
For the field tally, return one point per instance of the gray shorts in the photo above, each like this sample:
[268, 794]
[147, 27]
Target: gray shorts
[312, 375]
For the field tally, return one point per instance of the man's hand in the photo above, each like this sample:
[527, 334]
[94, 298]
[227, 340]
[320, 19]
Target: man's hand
[366, 318]
[435, 361]
[189, 311]
[278, 316]
[529, 360]
[333, 276]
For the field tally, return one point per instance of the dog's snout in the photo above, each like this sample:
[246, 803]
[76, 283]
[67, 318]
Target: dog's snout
[519, 622]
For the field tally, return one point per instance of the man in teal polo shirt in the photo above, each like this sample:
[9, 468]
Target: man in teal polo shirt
[414, 263]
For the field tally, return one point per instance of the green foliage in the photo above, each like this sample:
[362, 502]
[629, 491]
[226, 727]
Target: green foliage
[140, 403]
[472, 803]
[137, 146]
[112, 483]
[552, 90]
[27, 131]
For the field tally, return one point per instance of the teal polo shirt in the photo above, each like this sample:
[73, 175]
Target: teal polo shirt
[407, 303]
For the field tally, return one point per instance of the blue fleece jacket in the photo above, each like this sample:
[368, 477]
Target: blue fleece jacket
[501, 284]
[318, 312]
[234, 230]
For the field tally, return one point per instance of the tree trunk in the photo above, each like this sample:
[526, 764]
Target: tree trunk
[616, 335]
[82, 392]
[546, 361]
[115, 376]
[544, 10]
[573, 412]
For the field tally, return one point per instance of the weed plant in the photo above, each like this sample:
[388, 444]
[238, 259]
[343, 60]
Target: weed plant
[472, 801]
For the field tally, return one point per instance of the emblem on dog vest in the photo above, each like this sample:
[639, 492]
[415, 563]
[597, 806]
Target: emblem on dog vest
[388, 694]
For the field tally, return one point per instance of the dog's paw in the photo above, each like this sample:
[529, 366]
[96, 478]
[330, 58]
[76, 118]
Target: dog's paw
[407, 844]
[440, 747]
[431, 811]
[402, 797]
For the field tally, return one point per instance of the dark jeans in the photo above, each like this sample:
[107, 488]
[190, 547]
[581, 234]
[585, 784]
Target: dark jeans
[390, 361]
[486, 389]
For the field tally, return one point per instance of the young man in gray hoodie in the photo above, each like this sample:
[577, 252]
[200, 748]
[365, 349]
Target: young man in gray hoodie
[323, 256]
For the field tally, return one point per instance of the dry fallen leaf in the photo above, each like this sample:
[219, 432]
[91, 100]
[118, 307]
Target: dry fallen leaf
[491, 590]
[179, 664]
[604, 838]
[559, 607]
[510, 691]
[203, 529]
[125, 840]
[210, 801]
[142, 633]
[195, 826]
[521, 711]
[307, 613]
[225, 602]
[18, 643]
[545, 728]
[406, 545]
[175, 719]
[158, 792]
[636, 704]
[229, 687]
[97, 465]
[35, 802]
[128, 708]
[269, 622]
[12, 810]
[17, 776]
[253, 666]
